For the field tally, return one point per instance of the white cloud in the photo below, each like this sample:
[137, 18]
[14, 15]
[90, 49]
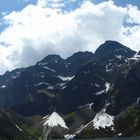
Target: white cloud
[44, 28]
[51, 3]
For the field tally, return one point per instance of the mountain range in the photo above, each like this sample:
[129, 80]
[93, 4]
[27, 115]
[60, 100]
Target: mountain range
[92, 94]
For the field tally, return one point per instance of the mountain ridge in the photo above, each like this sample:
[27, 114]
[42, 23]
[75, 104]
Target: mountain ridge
[84, 88]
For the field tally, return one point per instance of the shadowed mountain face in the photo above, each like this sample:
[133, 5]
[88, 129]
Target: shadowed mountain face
[34, 90]
[68, 83]
[109, 67]
[69, 66]
[107, 82]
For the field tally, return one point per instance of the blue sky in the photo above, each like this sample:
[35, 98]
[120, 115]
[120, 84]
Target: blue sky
[11, 5]
[32, 29]
[16, 5]
[122, 2]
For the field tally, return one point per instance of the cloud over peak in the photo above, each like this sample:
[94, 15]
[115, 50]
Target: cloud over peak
[49, 28]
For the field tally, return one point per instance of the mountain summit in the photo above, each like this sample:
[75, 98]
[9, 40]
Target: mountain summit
[112, 49]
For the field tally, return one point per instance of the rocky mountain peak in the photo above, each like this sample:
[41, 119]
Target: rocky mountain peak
[112, 49]
[50, 59]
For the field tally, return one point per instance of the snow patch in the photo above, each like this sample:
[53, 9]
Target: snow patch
[97, 85]
[16, 75]
[103, 119]
[3, 86]
[107, 67]
[119, 134]
[13, 77]
[99, 92]
[86, 105]
[18, 127]
[50, 87]
[69, 136]
[45, 117]
[61, 84]
[64, 87]
[136, 57]
[49, 69]
[90, 105]
[43, 63]
[118, 56]
[56, 61]
[126, 60]
[107, 85]
[41, 83]
[110, 60]
[65, 78]
[54, 120]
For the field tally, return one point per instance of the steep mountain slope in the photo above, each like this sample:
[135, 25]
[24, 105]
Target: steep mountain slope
[125, 91]
[92, 92]
[34, 90]
[91, 83]
[87, 84]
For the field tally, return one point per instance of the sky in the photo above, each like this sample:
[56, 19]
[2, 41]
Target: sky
[32, 29]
